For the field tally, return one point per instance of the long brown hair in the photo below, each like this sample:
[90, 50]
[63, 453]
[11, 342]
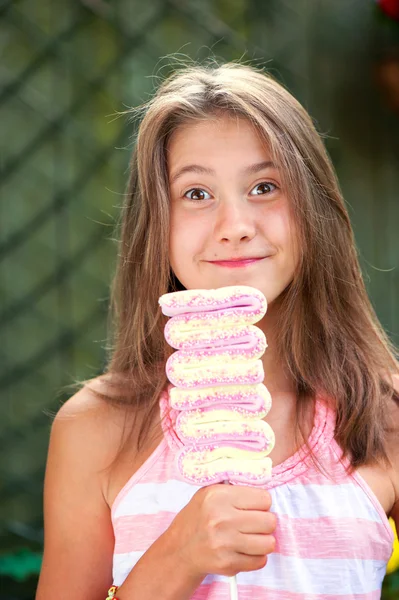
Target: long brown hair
[329, 335]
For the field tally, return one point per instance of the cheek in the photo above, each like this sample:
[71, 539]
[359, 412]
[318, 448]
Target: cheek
[182, 243]
[280, 229]
[279, 225]
[188, 233]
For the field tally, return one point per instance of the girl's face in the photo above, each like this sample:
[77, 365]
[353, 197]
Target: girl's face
[231, 223]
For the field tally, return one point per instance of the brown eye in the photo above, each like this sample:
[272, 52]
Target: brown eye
[264, 188]
[196, 194]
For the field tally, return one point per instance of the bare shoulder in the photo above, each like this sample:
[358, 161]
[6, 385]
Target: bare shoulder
[88, 425]
[393, 418]
[88, 410]
[393, 447]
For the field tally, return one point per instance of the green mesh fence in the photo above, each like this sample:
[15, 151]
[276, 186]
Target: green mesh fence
[67, 67]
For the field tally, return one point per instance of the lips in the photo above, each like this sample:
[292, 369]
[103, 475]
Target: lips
[237, 262]
[239, 259]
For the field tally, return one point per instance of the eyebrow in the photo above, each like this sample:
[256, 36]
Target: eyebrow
[250, 170]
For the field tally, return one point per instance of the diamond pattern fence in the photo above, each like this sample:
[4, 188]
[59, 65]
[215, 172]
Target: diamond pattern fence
[68, 67]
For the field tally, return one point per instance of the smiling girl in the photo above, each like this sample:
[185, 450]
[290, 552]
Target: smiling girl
[231, 185]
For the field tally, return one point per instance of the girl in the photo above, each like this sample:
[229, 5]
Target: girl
[230, 184]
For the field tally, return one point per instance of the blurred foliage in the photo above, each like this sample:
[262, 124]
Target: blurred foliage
[21, 564]
[67, 67]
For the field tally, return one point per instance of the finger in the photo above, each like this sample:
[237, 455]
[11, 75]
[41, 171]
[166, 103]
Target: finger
[255, 544]
[255, 521]
[246, 563]
[243, 562]
[249, 498]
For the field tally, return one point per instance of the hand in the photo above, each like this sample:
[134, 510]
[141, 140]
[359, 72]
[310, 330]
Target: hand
[224, 529]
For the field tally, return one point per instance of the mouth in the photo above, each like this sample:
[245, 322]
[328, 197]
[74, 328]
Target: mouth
[237, 262]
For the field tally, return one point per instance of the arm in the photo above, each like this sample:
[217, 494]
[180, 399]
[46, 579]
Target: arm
[78, 541]
[394, 455]
[169, 580]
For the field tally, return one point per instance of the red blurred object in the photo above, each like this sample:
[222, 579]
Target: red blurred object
[390, 8]
[387, 75]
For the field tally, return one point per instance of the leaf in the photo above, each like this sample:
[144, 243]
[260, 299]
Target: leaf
[21, 564]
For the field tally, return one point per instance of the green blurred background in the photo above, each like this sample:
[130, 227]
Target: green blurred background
[67, 67]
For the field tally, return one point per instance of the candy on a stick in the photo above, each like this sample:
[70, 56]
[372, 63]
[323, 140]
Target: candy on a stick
[217, 401]
[217, 398]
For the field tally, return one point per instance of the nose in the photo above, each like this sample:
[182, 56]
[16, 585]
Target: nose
[234, 222]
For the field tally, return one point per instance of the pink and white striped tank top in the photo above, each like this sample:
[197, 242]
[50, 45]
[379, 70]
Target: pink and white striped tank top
[333, 537]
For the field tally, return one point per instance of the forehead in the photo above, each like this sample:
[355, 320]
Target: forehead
[207, 137]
